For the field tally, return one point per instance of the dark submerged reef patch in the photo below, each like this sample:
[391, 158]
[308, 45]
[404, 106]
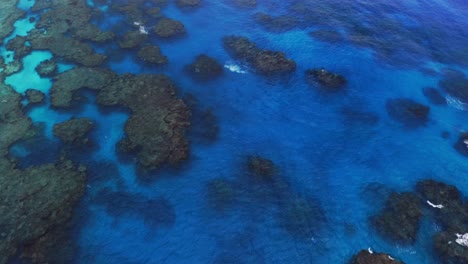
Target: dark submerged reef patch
[35, 96]
[434, 96]
[169, 28]
[408, 112]
[400, 219]
[461, 146]
[456, 85]
[275, 23]
[155, 212]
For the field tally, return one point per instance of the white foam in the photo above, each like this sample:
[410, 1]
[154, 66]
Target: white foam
[233, 67]
[455, 103]
[462, 239]
[370, 250]
[440, 206]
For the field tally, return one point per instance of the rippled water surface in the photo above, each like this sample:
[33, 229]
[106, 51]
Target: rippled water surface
[261, 161]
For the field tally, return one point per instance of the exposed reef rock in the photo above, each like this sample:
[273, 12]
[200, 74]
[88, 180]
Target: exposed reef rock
[93, 33]
[204, 68]
[330, 81]
[153, 55]
[74, 130]
[365, 257]
[38, 200]
[132, 39]
[67, 48]
[35, 96]
[35, 201]
[47, 68]
[19, 46]
[400, 218]
[407, 111]
[169, 28]
[65, 84]
[453, 214]
[155, 131]
[449, 250]
[265, 62]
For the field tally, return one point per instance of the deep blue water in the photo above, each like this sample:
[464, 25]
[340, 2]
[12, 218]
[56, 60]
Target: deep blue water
[323, 150]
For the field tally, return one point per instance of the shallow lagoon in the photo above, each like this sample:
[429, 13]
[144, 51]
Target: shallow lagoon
[342, 150]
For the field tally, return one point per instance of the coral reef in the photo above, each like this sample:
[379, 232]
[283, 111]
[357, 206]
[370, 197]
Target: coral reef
[261, 167]
[19, 46]
[400, 218]
[169, 28]
[456, 85]
[153, 55]
[407, 111]
[448, 249]
[35, 96]
[132, 39]
[264, 61]
[330, 81]
[366, 257]
[204, 68]
[462, 144]
[155, 131]
[47, 68]
[73, 130]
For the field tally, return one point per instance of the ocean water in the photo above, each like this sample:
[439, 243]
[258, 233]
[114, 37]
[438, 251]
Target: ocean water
[340, 149]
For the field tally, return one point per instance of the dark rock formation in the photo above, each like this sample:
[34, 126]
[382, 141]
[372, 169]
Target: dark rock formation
[93, 33]
[74, 130]
[204, 68]
[169, 28]
[265, 62]
[132, 39]
[400, 218]
[434, 96]
[244, 3]
[153, 55]
[448, 249]
[19, 46]
[365, 257]
[35, 96]
[67, 83]
[407, 111]
[47, 68]
[330, 81]
[454, 214]
[155, 131]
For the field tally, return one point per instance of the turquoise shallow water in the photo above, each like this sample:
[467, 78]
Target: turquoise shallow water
[347, 163]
